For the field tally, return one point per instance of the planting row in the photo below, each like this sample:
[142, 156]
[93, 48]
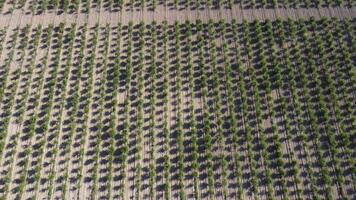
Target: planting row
[261, 110]
[85, 6]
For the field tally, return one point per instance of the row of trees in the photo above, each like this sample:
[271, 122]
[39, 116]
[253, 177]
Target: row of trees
[11, 87]
[72, 101]
[282, 83]
[37, 84]
[45, 5]
[3, 83]
[100, 110]
[337, 92]
[284, 104]
[207, 132]
[231, 115]
[153, 100]
[7, 62]
[29, 72]
[165, 127]
[312, 113]
[139, 112]
[259, 101]
[14, 146]
[265, 84]
[349, 75]
[113, 111]
[311, 105]
[176, 4]
[179, 122]
[127, 104]
[23, 102]
[231, 94]
[53, 85]
[192, 123]
[325, 111]
[58, 86]
[347, 45]
[245, 110]
[87, 92]
[294, 4]
[216, 84]
[44, 124]
[298, 105]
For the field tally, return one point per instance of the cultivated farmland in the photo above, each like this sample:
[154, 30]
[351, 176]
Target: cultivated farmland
[236, 100]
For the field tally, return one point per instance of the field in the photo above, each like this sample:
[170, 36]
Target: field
[215, 107]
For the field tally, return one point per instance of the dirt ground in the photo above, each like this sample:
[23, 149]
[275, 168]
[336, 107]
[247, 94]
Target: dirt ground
[162, 13]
